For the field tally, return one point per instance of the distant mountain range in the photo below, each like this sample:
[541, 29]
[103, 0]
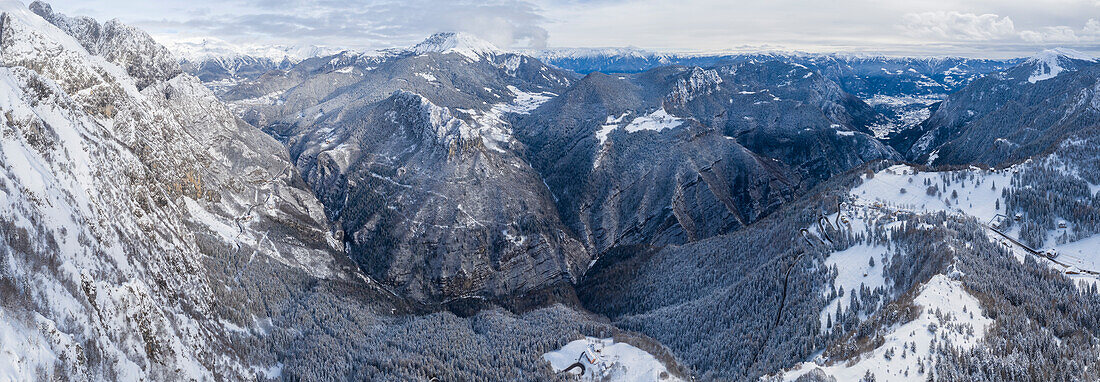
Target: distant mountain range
[456, 211]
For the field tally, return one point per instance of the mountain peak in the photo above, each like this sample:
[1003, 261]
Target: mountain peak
[1055, 53]
[1051, 62]
[456, 42]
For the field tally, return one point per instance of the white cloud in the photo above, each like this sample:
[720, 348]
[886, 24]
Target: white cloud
[959, 26]
[1054, 34]
[983, 28]
[1092, 27]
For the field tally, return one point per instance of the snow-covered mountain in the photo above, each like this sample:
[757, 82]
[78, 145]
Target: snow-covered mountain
[903, 89]
[136, 206]
[436, 130]
[221, 65]
[456, 42]
[150, 234]
[453, 211]
[1052, 62]
[1009, 115]
[414, 156]
[210, 48]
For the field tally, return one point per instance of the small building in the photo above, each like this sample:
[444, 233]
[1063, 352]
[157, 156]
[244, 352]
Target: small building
[592, 355]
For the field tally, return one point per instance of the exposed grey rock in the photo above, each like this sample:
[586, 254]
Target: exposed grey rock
[724, 147]
[413, 156]
[145, 233]
[128, 47]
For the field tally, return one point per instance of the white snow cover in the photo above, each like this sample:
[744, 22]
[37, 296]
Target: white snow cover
[948, 315]
[618, 361]
[456, 42]
[608, 126]
[1048, 63]
[525, 102]
[977, 197]
[1084, 254]
[491, 124]
[853, 272]
[70, 173]
[18, 11]
[426, 76]
[656, 121]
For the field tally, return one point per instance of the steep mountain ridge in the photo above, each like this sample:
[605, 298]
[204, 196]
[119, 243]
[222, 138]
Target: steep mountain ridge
[412, 153]
[137, 220]
[676, 154]
[130, 48]
[1008, 116]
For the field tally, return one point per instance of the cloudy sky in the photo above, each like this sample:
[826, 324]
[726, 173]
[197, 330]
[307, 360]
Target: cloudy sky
[980, 28]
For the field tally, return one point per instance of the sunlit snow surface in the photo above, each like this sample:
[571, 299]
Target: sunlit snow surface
[618, 361]
[1048, 63]
[948, 313]
[657, 121]
[960, 319]
[853, 272]
[977, 197]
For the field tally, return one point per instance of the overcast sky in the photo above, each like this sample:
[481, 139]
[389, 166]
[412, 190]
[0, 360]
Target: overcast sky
[982, 28]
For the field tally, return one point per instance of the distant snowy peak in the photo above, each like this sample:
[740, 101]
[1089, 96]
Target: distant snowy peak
[456, 42]
[207, 48]
[578, 53]
[1051, 62]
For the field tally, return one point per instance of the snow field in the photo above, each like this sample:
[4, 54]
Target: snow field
[618, 361]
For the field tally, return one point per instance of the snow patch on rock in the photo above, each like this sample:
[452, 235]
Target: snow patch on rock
[658, 120]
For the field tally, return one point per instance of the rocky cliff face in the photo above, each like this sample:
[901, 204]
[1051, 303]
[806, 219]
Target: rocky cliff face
[675, 154]
[438, 205]
[456, 169]
[139, 212]
[130, 48]
[413, 156]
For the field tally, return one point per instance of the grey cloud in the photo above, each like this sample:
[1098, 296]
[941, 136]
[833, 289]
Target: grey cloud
[366, 25]
[998, 28]
[959, 26]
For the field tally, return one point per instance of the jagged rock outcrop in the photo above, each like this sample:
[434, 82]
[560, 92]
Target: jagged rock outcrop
[130, 48]
[146, 232]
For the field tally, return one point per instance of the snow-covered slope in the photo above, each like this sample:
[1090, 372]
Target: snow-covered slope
[456, 42]
[133, 218]
[948, 315]
[613, 361]
[1052, 62]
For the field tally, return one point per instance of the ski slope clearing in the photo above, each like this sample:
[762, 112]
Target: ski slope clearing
[978, 193]
[949, 317]
[973, 192]
[615, 361]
